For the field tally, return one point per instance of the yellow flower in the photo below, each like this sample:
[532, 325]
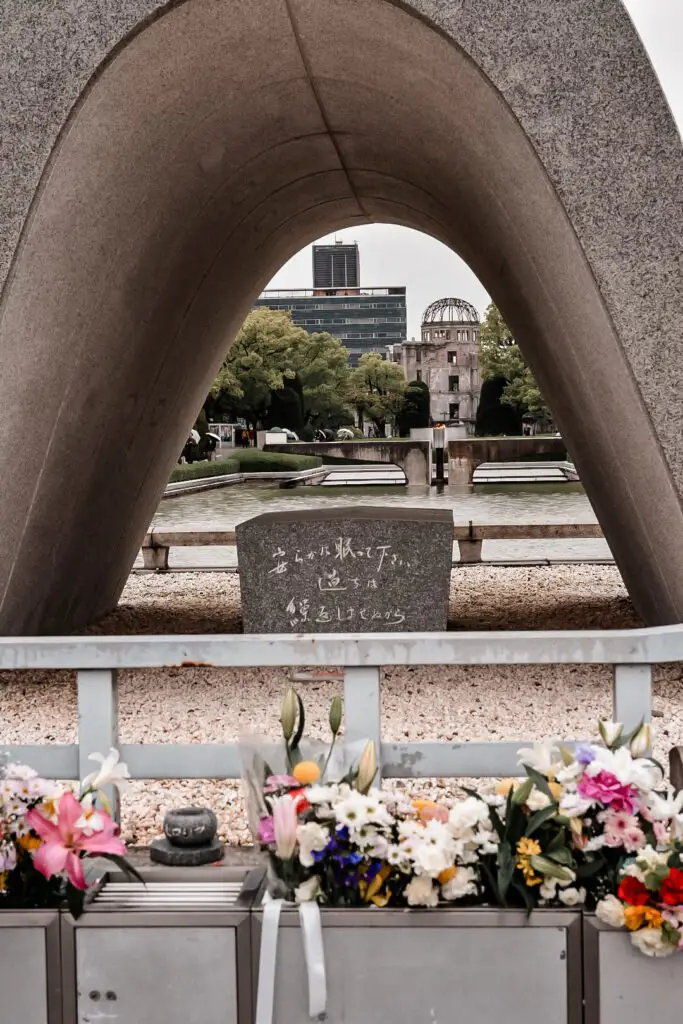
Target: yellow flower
[528, 847]
[3, 880]
[306, 772]
[642, 917]
[556, 790]
[371, 892]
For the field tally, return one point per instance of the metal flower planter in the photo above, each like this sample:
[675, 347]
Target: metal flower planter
[621, 985]
[30, 982]
[177, 951]
[435, 966]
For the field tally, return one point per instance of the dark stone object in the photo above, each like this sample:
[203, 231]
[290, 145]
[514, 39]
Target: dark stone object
[189, 838]
[190, 826]
[346, 570]
[164, 852]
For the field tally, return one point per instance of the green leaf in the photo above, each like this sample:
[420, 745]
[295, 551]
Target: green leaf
[124, 866]
[506, 869]
[591, 867]
[545, 866]
[540, 818]
[497, 822]
[75, 899]
[562, 856]
[525, 892]
[521, 794]
[540, 781]
[296, 740]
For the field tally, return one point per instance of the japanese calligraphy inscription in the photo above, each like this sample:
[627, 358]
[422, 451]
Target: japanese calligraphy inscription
[345, 570]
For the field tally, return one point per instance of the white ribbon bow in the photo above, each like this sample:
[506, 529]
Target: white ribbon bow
[314, 955]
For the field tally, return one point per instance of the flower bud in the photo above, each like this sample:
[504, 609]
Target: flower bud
[336, 715]
[610, 732]
[367, 768]
[641, 741]
[290, 709]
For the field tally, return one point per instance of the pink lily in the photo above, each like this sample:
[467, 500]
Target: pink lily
[285, 822]
[63, 843]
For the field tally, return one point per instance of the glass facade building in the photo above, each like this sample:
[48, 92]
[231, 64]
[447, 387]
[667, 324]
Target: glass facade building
[336, 266]
[365, 319]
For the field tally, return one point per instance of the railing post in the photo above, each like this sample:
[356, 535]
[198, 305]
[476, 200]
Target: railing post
[98, 723]
[362, 709]
[632, 695]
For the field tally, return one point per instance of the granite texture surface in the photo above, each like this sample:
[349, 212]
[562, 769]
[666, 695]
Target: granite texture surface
[185, 179]
[577, 78]
[350, 570]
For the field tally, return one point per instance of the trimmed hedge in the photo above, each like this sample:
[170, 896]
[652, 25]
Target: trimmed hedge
[253, 460]
[198, 470]
[247, 460]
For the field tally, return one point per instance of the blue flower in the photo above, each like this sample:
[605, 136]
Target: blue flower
[373, 870]
[584, 753]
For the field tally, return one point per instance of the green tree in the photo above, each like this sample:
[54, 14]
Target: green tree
[494, 417]
[377, 389]
[271, 356]
[501, 357]
[415, 412]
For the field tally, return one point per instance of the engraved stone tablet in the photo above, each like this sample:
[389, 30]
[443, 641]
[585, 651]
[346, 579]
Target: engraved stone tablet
[346, 570]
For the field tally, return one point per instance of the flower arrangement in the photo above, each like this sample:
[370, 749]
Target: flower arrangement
[649, 901]
[46, 833]
[592, 825]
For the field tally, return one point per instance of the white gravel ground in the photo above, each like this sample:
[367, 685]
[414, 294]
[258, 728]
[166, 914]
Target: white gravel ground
[466, 703]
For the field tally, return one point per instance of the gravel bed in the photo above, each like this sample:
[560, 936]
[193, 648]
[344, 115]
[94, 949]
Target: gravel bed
[457, 703]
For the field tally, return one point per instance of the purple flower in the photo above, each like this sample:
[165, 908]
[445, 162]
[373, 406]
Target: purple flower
[584, 753]
[266, 831]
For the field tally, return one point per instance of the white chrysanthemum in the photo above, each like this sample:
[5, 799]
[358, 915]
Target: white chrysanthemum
[649, 859]
[466, 814]
[311, 837]
[351, 811]
[322, 794]
[431, 859]
[462, 884]
[421, 892]
[651, 942]
[610, 911]
[574, 806]
[572, 897]
[548, 889]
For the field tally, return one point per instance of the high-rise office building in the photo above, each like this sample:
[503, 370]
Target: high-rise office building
[364, 319]
[336, 266]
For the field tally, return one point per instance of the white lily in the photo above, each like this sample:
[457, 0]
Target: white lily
[610, 731]
[668, 808]
[91, 820]
[112, 773]
[544, 757]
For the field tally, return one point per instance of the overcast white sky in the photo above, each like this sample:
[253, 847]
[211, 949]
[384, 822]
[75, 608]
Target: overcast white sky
[391, 255]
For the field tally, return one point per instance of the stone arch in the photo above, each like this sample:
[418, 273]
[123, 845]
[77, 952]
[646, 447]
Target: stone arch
[220, 136]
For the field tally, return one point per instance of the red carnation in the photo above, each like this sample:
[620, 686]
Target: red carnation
[671, 889]
[633, 892]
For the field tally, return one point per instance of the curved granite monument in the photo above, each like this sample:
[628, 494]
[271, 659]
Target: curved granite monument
[160, 162]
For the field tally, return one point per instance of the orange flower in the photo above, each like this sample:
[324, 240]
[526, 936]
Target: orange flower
[428, 810]
[636, 918]
[28, 842]
[505, 785]
[447, 875]
[306, 772]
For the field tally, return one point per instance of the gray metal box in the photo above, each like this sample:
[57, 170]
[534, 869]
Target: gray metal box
[30, 980]
[177, 951]
[435, 966]
[622, 985]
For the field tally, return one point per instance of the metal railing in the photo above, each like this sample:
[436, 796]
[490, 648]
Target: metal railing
[470, 537]
[361, 656]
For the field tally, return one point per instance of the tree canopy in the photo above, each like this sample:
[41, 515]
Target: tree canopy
[377, 389]
[272, 364]
[501, 357]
